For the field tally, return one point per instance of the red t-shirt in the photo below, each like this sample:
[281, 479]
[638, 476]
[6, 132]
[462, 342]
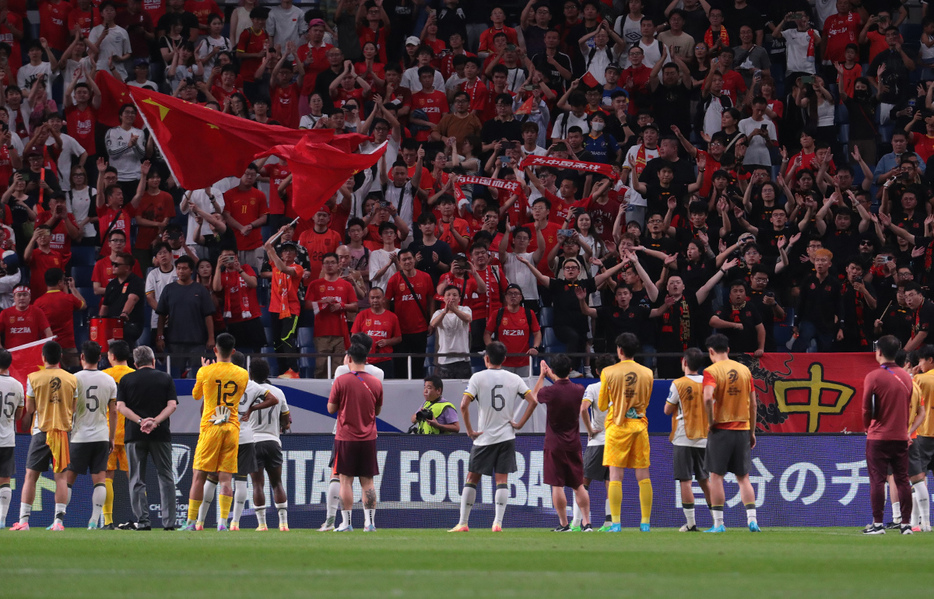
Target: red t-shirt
[154, 208]
[81, 125]
[377, 326]
[22, 327]
[327, 322]
[277, 173]
[155, 8]
[59, 309]
[53, 23]
[285, 105]
[85, 20]
[489, 110]
[284, 297]
[923, 145]
[733, 86]
[447, 64]
[6, 36]
[434, 104]
[840, 30]
[514, 331]
[39, 263]
[467, 285]
[318, 244]
[486, 38]
[317, 65]
[103, 272]
[106, 215]
[240, 302]
[602, 216]
[203, 9]
[357, 395]
[250, 42]
[559, 208]
[478, 92]
[411, 310]
[482, 305]
[550, 233]
[61, 241]
[378, 37]
[246, 207]
[445, 234]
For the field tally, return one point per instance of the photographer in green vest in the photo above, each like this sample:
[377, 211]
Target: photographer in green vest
[436, 416]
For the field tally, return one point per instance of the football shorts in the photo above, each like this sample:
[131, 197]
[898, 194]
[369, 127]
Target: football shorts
[218, 447]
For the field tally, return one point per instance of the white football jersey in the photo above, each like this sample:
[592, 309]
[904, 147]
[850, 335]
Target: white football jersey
[11, 398]
[266, 421]
[597, 418]
[253, 395]
[96, 390]
[497, 393]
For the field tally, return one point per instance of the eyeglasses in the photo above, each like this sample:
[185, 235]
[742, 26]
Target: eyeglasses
[118, 263]
[571, 267]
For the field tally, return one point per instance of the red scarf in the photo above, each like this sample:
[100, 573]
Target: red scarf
[577, 165]
[512, 186]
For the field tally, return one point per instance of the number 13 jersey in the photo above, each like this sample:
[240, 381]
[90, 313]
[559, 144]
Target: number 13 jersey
[220, 384]
[497, 393]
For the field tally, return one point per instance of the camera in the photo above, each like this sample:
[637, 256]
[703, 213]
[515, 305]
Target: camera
[423, 415]
[858, 279]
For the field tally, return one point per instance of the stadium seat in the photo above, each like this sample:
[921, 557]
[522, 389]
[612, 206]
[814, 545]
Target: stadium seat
[552, 345]
[306, 366]
[547, 317]
[273, 363]
[93, 301]
[306, 337]
[83, 255]
[82, 275]
[269, 336]
[264, 316]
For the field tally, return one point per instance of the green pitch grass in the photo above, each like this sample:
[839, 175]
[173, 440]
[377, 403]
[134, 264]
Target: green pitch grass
[433, 564]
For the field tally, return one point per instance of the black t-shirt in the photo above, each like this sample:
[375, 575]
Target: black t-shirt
[680, 324]
[747, 339]
[147, 392]
[189, 22]
[734, 18]
[552, 75]
[924, 319]
[427, 264]
[186, 306]
[615, 321]
[672, 106]
[116, 294]
[819, 302]
[494, 130]
[684, 171]
[567, 306]
[696, 23]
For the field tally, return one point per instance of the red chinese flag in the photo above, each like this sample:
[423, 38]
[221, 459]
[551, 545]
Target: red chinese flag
[203, 146]
[114, 94]
[318, 171]
[527, 106]
[349, 142]
[589, 80]
[27, 359]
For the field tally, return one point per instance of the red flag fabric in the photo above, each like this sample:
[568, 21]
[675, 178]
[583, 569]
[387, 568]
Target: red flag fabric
[577, 165]
[114, 94]
[27, 359]
[318, 171]
[527, 106]
[589, 80]
[202, 146]
[349, 142]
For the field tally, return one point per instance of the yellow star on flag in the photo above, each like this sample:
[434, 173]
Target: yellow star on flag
[163, 110]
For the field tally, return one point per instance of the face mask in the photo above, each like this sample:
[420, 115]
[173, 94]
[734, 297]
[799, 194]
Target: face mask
[596, 126]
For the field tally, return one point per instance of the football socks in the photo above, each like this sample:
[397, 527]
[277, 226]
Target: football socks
[468, 497]
[614, 492]
[501, 498]
[645, 500]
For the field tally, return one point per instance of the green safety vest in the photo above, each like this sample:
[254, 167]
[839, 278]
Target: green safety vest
[436, 408]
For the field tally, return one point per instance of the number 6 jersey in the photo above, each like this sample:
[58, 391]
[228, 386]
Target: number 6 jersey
[496, 392]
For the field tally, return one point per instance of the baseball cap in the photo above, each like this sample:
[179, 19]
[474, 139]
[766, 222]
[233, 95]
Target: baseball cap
[288, 245]
[324, 208]
[413, 40]
[141, 62]
[613, 66]
[514, 286]
[32, 152]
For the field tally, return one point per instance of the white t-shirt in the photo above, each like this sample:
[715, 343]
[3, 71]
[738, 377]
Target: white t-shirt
[559, 131]
[411, 80]
[79, 205]
[253, 395]
[265, 422]
[124, 157]
[796, 51]
[71, 149]
[597, 418]
[28, 73]
[635, 198]
[713, 116]
[286, 25]
[674, 398]
[757, 151]
[379, 259]
[498, 393]
[453, 335]
[207, 45]
[117, 43]
[156, 281]
[96, 390]
[202, 201]
[11, 398]
[521, 275]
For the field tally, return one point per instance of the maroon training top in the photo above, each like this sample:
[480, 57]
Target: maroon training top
[563, 399]
[886, 401]
[357, 395]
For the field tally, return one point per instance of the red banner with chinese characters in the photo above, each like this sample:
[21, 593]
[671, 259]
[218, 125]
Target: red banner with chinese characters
[810, 393]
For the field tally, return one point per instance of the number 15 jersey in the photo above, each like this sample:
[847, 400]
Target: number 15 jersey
[497, 393]
[220, 384]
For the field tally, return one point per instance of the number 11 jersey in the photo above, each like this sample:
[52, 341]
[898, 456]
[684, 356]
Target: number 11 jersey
[496, 392]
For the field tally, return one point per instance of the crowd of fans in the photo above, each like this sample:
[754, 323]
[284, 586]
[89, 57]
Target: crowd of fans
[769, 178]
